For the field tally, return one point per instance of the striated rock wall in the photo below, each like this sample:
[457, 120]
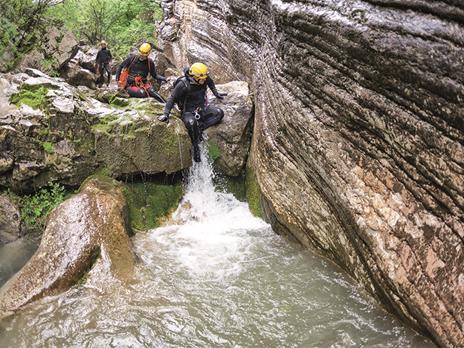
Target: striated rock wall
[358, 135]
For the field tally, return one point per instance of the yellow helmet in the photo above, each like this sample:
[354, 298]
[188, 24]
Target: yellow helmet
[103, 42]
[198, 71]
[145, 49]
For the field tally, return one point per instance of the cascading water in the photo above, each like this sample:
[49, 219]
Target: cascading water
[214, 277]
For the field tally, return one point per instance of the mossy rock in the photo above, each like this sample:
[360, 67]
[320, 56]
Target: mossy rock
[149, 203]
[253, 193]
[232, 184]
[33, 96]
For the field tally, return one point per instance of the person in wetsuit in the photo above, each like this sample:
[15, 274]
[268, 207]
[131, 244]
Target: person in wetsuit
[139, 66]
[189, 94]
[102, 63]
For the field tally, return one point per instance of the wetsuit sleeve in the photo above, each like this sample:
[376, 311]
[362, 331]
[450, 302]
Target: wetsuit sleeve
[110, 56]
[179, 93]
[212, 86]
[97, 60]
[122, 66]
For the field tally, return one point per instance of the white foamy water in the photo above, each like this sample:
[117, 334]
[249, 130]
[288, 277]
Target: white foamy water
[216, 277]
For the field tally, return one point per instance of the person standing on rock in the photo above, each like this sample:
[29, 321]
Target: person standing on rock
[189, 94]
[102, 63]
[132, 74]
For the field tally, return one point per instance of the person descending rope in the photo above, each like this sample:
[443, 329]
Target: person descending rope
[102, 64]
[189, 94]
[133, 72]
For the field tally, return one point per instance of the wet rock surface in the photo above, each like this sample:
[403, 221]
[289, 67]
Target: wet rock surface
[358, 134]
[88, 228]
[233, 134]
[67, 134]
[10, 228]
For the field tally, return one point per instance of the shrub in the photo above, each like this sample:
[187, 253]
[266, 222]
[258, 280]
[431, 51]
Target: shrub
[35, 208]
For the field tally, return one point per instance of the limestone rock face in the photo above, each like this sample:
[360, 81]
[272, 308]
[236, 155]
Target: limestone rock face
[66, 134]
[88, 226]
[358, 134]
[57, 47]
[233, 134]
[9, 221]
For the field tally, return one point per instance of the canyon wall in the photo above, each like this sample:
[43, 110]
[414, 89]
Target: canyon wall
[358, 134]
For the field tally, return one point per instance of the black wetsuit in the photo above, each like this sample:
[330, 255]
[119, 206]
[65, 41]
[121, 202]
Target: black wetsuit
[197, 115]
[103, 60]
[140, 69]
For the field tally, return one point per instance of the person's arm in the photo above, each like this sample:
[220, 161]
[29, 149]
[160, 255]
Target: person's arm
[97, 59]
[212, 87]
[178, 93]
[153, 72]
[110, 55]
[122, 66]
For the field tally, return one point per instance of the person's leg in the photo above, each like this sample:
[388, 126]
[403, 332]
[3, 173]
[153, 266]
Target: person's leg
[192, 127]
[211, 116]
[136, 92]
[154, 94]
[107, 70]
[100, 77]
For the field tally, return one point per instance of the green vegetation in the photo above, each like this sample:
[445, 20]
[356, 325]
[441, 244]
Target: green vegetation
[48, 147]
[150, 202]
[234, 185]
[35, 97]
[23, 24]
[253, 193]
[105, 124]
[213, 151]
[35, 208]
[122, 24]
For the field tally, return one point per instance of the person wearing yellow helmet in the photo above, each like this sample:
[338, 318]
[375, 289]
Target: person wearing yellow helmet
[189, 94]
[102, 62]
[132, 74]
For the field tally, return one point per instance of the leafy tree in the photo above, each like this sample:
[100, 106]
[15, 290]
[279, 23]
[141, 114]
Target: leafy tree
[22, 26]
[123, 24]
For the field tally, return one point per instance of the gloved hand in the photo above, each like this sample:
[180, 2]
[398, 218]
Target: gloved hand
[221, 96]
[162, 79]
[163, 118]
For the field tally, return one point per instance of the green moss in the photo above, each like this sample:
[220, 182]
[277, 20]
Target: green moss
[33, 96]
[213, 151]
[48, 147]
[149, 107]
[150, 202]
[118, 102]
[234, 185]
[105, 124]
[253, 193]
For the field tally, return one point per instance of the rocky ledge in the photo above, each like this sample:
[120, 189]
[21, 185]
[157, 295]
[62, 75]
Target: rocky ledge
[358, 134]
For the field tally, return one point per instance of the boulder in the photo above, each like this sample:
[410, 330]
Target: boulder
[233, 135]
[357, 144]
[58, 47]
[134, 141]
[9, 221]
[90, 226]
[60, 133]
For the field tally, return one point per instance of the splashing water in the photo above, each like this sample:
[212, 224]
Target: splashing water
[216, 277]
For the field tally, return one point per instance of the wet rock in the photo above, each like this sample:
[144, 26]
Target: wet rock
[61, 133]
[357, 144]
[134, 141]
[90, 226]
[233, 134]
[9, 221]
